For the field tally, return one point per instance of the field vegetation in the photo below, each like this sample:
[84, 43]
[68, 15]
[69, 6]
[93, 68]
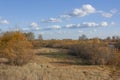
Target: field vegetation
[29, 55]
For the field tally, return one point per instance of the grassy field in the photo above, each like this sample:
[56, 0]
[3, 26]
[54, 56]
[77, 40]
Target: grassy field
[56, 64]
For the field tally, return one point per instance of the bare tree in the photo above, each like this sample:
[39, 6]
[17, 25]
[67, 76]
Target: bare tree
[40, 37]
[30, 35]
[82, 37]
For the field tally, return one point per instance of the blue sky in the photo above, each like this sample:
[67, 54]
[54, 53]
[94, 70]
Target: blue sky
[58, 19]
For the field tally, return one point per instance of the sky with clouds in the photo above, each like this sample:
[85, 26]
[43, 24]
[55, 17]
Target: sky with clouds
[58, 19]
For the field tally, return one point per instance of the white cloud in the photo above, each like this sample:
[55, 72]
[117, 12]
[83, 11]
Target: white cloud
[37, 28]
[4, 22]
[80, 31]
[107, 15]
[88, 8]
[78, 26]
[71, 26]
[87, 24]
[34, 25]
[90, 24]
[104, 24]
[26, 29]
[84, 24]
[79, 12]
[53, 20]
[65, 16]
[55, 27]
[60, 32]
[84, 10]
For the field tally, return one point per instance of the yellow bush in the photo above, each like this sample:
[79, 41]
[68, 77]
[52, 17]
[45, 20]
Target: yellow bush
[15, 47]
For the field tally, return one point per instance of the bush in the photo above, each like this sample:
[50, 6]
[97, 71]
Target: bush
[117, 45]
[15, 47]
[116, 61]
[94, 53]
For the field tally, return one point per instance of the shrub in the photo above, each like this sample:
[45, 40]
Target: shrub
[15, 47]
[94, 53]
[116, 61]
[117, 45]
[37, 43]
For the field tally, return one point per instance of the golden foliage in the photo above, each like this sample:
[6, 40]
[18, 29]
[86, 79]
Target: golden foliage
[15, 47]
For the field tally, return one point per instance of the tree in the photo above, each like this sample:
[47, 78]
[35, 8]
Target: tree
[40, 37]
[82, 37]
[30, 35]
[108, 38]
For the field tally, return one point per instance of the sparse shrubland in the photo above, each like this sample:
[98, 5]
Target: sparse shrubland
[15, 47]
[53, 59]
[116, 61]
[64, 44]
[94, 51]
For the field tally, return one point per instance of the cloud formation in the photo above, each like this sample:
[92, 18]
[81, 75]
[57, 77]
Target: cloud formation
[52, 20]
[55, 27]
[89, 9]
[78, 12]
[35, 26]
[5, 22]
[83, 11]
[72, 26]
[89, 24]
[82, 25]
[104, 24]
[65, 16]
[107, 15]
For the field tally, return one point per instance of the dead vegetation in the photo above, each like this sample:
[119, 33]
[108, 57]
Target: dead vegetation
[16, 48]
[57, 59]
[94, 53]
[33, 71]
[41, 68]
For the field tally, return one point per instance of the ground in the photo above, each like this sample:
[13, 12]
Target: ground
[55, 64]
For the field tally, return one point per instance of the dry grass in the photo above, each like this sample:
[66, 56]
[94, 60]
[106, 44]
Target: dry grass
[33, 71]
[41, 68]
